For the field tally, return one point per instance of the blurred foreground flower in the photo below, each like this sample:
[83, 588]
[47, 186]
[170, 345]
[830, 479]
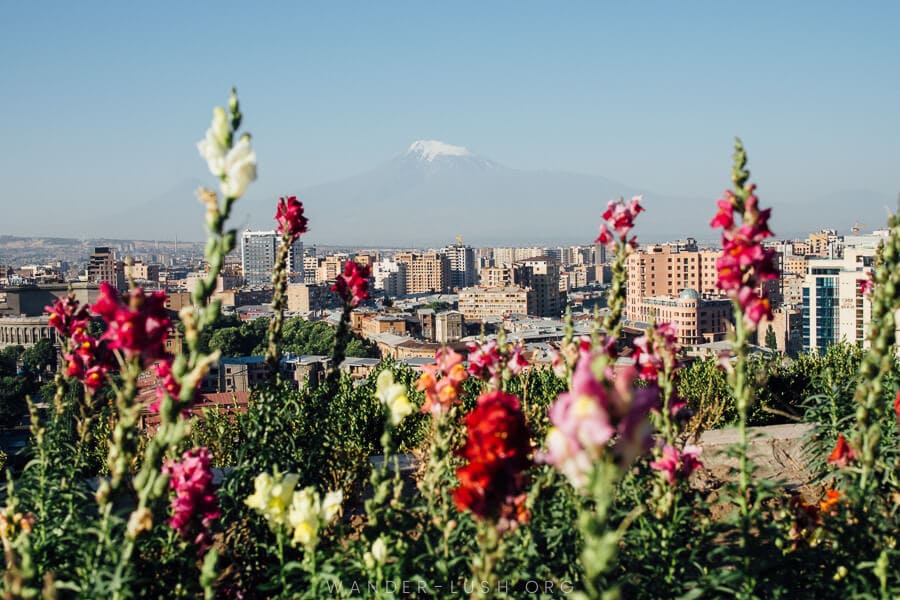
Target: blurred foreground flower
[618, 221]
[352, 285]
[291, 222]
[393, 395]
[587, 418]
[441, 382]
[677, 465]
[195, 502]
[498, 450]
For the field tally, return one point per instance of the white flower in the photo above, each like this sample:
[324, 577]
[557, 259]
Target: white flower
[379, 551]
[393, 395]
[240, 168]
[331, 505]
[214, 146]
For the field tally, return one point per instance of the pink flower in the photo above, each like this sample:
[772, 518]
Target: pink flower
[137, 324]
[169, 386]
[619, 220]
[677, 465]
[442, 382]
[596, 415]
[516, 362]
[655, 349]
[485, 361]
[352, 285]
[291, 221]
[194, 505]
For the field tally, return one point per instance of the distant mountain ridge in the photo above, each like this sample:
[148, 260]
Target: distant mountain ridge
[434, 191]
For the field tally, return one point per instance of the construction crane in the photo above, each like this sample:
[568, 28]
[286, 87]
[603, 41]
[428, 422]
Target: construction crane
[459, 240]
[857, 227]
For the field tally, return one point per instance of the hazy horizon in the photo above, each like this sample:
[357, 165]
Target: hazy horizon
[103, 103]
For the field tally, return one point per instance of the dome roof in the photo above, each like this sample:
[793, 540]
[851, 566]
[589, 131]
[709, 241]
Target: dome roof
[689, 294]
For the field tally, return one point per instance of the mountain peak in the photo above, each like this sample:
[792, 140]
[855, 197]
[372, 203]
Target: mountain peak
[428, 150]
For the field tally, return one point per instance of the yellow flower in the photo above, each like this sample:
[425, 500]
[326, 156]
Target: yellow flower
[393, 395]
[272, 496]
[303, 517]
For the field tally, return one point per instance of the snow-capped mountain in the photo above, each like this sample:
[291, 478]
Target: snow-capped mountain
[434, 191]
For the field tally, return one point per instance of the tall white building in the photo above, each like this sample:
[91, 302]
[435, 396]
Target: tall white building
[258, 250]
[834, 307]
[390, 276]
[462, 265]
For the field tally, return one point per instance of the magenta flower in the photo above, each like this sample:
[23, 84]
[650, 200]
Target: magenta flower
[619, 220]
[352, 285]
[194, 505]
[68, 318]
[137, 324]
[289, 215]
[745, 264]
[677, 465]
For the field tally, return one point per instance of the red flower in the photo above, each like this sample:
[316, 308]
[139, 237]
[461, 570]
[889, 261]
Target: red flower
[291, 221]
[139, 326]
[353, 284]
[194, 505]
[498, 453]
[842, 453]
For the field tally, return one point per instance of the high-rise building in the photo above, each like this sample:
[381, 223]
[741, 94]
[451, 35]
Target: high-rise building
[668, 269]
[462, 265]
[103, 266]
[834, 307]
[258, 251]
[541, 274]
[390, 276]
[425, 273]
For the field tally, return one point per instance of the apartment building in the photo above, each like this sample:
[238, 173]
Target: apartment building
[427, 272]
[665, 270]
[482, 302]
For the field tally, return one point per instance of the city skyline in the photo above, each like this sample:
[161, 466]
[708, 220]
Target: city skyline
[650, 98]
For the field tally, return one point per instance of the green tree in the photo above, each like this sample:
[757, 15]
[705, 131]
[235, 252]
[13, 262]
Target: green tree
[12, 399]
[230, 341]
[9, 358]
[40, 357]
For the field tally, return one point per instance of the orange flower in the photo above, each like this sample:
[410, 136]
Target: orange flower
[829, 504]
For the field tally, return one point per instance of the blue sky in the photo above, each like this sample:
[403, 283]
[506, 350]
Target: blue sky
[101, 103]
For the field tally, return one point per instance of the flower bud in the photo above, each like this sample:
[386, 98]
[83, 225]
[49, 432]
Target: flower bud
[220, 128]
